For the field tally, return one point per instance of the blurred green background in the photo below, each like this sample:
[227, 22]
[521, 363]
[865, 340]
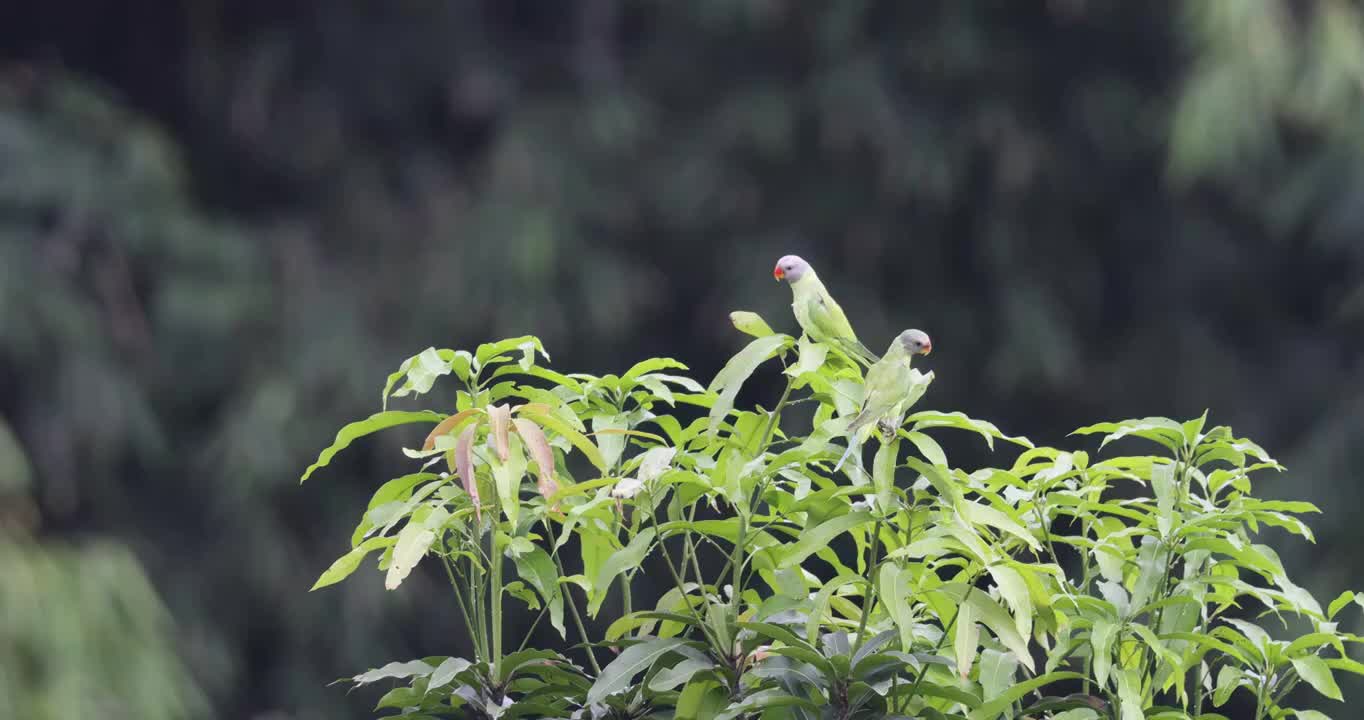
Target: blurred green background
[223, 222]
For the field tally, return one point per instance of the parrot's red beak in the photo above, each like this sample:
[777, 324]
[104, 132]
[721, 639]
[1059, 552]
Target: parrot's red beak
[778, 274]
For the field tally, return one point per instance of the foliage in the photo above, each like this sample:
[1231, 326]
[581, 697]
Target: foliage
[210, 247]
[1063, 584]
[84, 634]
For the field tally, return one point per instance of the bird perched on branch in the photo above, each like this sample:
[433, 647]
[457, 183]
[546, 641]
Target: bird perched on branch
[818, 314]
[890, 388]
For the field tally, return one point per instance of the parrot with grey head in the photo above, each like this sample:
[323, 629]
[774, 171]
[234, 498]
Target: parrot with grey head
[890, 386]
[818, 314]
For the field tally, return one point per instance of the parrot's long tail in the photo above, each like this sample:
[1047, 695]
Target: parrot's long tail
[852, 443]
[859, 352]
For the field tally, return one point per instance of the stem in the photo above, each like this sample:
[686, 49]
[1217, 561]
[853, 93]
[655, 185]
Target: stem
[946, 633]
[577, 619]
[526, 640]
[496, 602]
[869, 599]
[459, 597]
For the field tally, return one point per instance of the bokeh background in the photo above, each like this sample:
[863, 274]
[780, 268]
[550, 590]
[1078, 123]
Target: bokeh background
[223, 222]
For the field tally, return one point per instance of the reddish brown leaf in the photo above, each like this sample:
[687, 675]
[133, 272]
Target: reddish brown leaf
[541, 453]
[464, 465]
[448, 425]
[499, 417]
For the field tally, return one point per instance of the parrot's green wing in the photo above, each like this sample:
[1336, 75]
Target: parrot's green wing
[888, 382]
[826, 322]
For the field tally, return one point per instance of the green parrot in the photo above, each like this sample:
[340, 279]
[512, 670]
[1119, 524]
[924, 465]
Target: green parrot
[817, 312]
[889, 386]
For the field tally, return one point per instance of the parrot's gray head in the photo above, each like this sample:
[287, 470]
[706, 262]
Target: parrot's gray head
[790, 268]
[916, 342]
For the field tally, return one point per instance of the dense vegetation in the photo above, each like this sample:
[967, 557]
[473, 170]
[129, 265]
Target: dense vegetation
[1059, 586]
[219, 221]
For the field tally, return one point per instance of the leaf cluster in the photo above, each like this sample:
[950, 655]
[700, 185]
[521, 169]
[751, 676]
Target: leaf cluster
[1065, 584]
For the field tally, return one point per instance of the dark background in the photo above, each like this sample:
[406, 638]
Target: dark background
[223, 222]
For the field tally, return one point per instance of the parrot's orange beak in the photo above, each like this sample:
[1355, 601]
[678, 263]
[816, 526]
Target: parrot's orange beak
[778, 274]
[927, 350]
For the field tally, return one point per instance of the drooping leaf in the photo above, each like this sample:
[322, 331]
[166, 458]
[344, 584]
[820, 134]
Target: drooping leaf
[627, 557]
[579, 441]
[541, 453]
[539, 570]
[966, 638]
[499, 425]
[464, 467]
[610, 441]
[372, 424]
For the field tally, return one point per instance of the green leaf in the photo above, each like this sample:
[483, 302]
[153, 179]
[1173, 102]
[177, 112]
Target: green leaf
[446, 671]
[820, 606]
[895, 597]
[526, 344]
[372, 424]
[810, 357]
[611, 444]
[1229, 678]
[395, 671]
[980, 514]
[997, 670]
[1101, 640]
[507, 477]
[987, 430]
[750, 323]
[701, 699]
[991, 709]
[928, 447]
[653, 365]
[538, 569]
[1165, 431]
[1129, 695]
[413, 542]
[348, 563]
[731, 377]
[966, 638]
[818, 538]
[1317, 673]
[617, 676]
[1339, 603]
[421, 371]
[627, 557]
[1014, 589]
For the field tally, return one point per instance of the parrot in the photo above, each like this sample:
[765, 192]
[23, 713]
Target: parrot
[888, 386]
[817, 312]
